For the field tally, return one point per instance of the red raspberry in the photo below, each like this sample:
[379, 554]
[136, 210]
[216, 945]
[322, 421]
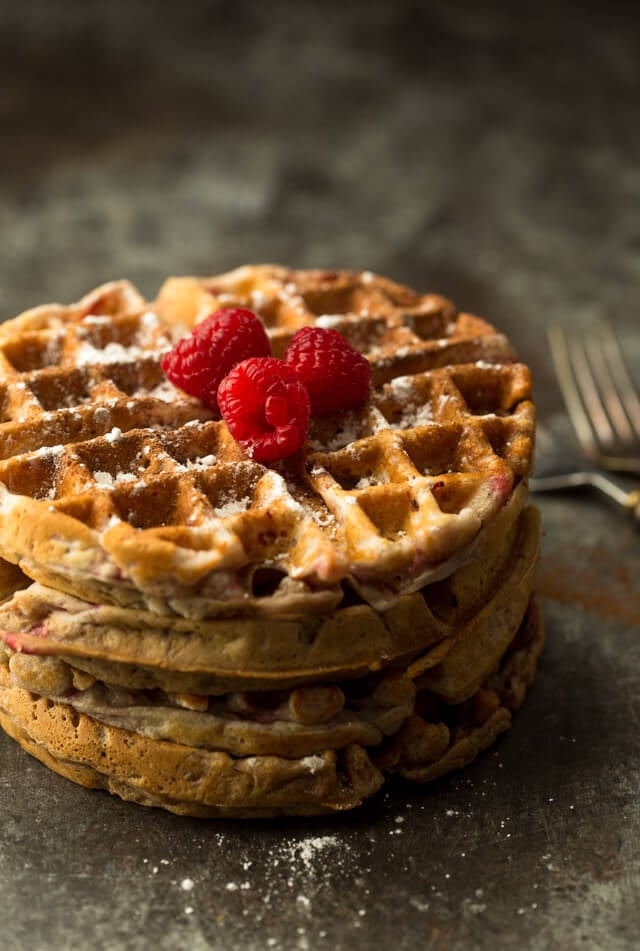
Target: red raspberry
[197, 363]
[336, 375]
[266, 408]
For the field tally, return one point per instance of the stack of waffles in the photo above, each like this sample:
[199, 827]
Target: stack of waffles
[190, 629]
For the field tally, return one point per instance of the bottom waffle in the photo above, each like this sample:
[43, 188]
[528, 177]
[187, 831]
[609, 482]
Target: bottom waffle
[431, 741]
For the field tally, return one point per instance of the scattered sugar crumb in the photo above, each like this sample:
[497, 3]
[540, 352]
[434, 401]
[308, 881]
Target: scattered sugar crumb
[164, 391]
[201, 462]
[476, 908]
[96, 319]
[232, 507]
[103, 478]
[307, 850]
[418, 904]
[329, 321]
[258, 298]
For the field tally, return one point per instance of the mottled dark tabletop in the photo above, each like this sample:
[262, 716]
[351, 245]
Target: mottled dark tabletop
[492, 156]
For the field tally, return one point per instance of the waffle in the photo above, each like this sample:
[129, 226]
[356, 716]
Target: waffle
[143, 649]
[267, 640]
[194, 780]
[116, 485]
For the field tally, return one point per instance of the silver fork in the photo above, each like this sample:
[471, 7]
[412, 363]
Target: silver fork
[603, 406]
[600, 397]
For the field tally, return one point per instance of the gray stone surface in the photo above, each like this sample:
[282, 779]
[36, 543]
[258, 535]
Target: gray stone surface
[484, 153]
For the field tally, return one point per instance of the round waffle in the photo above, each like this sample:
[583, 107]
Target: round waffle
[117, 487]
[221, 637]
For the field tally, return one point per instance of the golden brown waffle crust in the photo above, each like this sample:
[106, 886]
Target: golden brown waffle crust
[482, 675]
[114, 484]
[223, 638]
[453, 649]
[200, 783]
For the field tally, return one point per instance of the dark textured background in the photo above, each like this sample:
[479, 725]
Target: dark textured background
[465, 148]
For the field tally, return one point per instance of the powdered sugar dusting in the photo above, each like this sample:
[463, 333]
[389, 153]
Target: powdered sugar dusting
[313, 763]
[164, 391]
[149, 320]
[97, 320]
[103, 478]
[201, 462]
[232, 507]
[403, 387]
[420, 416]
[112, 353]
[258, 298]
[352, 427]
[44, 451]
[329, 321]
[298, 873]
[306, 851]
[323, 519]
[107, 479]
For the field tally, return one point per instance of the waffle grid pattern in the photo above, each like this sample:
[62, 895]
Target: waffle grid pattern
[95, 437]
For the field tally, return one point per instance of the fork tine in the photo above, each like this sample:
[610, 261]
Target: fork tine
[601, 399]
[567, 379]
[625, 392]
[617, 431]
[590, 371]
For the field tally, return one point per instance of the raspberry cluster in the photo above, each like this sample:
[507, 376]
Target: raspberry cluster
[226, 362]
[199, 363]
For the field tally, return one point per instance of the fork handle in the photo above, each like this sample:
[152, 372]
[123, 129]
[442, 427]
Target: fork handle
[632, 503]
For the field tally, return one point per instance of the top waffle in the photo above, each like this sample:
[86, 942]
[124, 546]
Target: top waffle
[117, 486]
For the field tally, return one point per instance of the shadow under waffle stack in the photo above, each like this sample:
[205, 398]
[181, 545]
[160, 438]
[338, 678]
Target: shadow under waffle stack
[198, 631]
